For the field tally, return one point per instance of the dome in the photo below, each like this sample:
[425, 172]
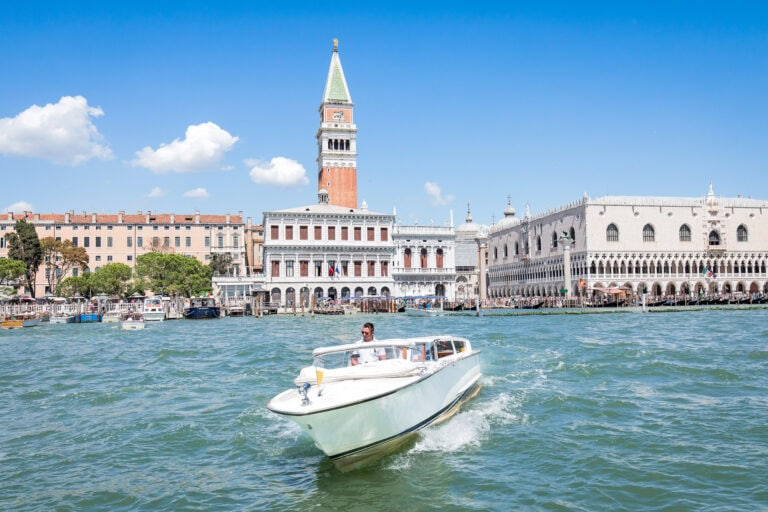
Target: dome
[468, 226]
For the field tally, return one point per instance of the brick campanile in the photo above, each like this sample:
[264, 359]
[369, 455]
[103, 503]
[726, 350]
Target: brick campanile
[337, 138]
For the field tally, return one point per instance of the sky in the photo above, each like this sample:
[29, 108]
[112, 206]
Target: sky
[213, 106]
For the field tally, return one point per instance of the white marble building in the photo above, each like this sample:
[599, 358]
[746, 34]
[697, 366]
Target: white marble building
[424, 263]
[664, 246]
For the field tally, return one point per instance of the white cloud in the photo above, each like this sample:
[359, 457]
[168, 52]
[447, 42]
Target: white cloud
[435, 194]
[18, 207]
[202, 149]
[279, 171]
[198, 192]
[60, 132]
[156, 192]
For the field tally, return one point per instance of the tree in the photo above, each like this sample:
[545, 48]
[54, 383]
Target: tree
[60, 257]
[76, 285]
[10, 270]
[174, 273]
[24, 246]
[220, 263]
[111, 279]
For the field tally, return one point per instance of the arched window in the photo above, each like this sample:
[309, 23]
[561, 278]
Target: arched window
[423, 258]
[685, 233]
[573, 235]
[407, 258]
[506, 251]
[741, 234]
[538, 244]
[612, 233]
[554, 239]
[495, 253]
[517, 249]
[714, 238]
[649, 234]
[439, 258]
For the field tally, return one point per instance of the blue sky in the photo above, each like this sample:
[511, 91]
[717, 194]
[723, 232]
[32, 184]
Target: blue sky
[182, 106]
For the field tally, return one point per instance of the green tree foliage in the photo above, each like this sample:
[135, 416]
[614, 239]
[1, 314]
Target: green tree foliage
[111, 279]
[76, 285]
[220, 263]
[24, 245]
[10, 270]
[169, 274]
[60, 257]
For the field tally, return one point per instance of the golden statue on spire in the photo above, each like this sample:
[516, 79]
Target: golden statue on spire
[335, 44]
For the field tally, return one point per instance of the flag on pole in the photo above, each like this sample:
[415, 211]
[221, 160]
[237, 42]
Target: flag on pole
[330, 270]
[708, 274]
[338, 272]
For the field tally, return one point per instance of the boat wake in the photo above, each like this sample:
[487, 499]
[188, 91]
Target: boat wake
[469, 428]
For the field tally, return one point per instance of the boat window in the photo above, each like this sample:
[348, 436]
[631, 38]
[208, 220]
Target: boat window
[444, 348]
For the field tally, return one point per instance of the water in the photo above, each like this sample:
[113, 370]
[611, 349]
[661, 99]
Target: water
[658, 411]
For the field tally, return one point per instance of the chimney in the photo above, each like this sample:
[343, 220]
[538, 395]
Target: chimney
[147, 216]
[173, 218]
[120, 216]
[197, 217]
[37, 217]
[227, 218]
[93, 218]
[67, 217]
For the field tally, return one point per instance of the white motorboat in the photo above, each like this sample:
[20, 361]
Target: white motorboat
[63, 318]
[153, 309]
[132, 321]
[355, 413]
[112, 316]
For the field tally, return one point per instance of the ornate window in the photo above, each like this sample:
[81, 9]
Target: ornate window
[649, 234]
[506, 251]
[554, 240]
[612, 233]
[714, 238]
[741, 234]
[538, 244]
[685, 233]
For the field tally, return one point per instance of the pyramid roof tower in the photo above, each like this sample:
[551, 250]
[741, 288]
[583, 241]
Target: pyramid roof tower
[336, 90]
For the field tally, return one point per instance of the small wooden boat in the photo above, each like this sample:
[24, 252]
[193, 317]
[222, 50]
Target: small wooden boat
[26, 319]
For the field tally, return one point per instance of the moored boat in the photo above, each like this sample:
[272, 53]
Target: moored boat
[153, 309]
[112, 316]
[26, 319]
[355, 413]
[63, 318]
[202, 308]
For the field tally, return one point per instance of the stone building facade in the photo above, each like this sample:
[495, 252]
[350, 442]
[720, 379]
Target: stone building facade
[663, 246]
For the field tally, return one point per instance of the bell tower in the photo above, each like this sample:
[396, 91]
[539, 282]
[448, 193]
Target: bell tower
[337, 138]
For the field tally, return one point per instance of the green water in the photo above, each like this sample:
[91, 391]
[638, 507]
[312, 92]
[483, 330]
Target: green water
[577, 412]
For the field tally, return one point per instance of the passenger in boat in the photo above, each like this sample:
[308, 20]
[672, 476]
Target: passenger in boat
[368, 355]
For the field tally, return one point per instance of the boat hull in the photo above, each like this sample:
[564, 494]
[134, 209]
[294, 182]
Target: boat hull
[353, 431]
[68, 319]
[17, 324]
[154, 316]
[202, 313]
[133, 325]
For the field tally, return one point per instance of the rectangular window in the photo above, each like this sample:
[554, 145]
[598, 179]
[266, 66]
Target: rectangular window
[74, 272]
[187, 241]
[98, 258]
[221, 241]
[86, 241]
[371, 237]
[98, 241]
[384, 234]
[318, 268]
[129, 241]
[358, 268]
[371, 268]
[289, 269]
[344, 233]
[358, 233]
[177, 241]
[139, 241]
[275, 269]
[289, 232]
[235, 241]
[384, 268]
[109, 241]
[345, 268]
[130, 258]
[304, 268]
[109, 258]
[303, 232]
[331, 232]
[274, 232]
[318, 232]
[207, 241]
[74, 241]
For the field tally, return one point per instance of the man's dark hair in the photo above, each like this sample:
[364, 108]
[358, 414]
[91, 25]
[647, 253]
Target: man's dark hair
[369, 325]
